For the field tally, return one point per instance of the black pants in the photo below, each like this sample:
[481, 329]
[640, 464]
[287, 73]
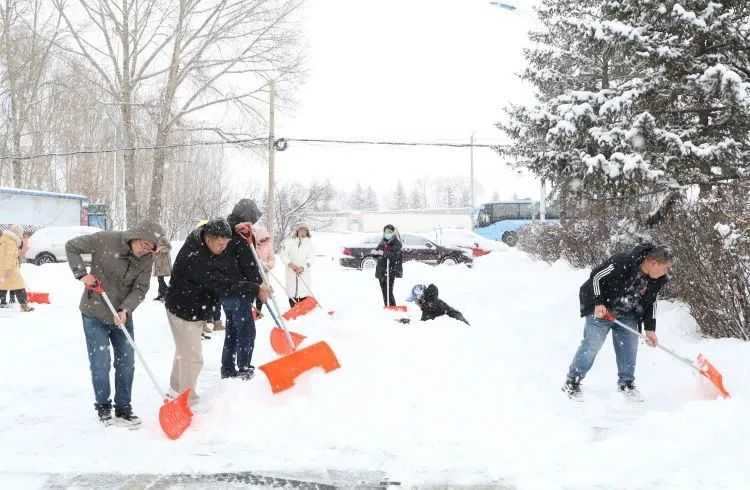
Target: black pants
[386, 287]
[15, 295]
[163, 286]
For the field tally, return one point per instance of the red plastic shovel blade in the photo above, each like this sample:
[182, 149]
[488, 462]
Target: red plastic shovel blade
[398, 308]
[280, 343]
[301, 308]
[41, 298]
[282, 372]
[175, 415]
[714, 376]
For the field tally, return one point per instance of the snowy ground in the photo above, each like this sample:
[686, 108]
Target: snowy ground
[436, 403]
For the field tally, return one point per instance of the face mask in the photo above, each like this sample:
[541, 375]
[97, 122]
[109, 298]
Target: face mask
[388, 235]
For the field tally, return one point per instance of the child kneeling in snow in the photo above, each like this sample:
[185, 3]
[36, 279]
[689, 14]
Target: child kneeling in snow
[432, 306]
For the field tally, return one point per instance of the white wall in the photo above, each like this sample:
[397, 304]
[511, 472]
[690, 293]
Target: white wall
[23, 209]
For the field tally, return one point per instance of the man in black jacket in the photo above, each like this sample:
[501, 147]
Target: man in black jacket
[625, 286]
[199, 280]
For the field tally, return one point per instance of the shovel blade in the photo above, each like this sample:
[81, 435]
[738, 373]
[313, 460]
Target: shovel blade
[301, 308]
[282, 372]
[712, 374]
[175, 415]
[280, 343]
[399, 308]
[40, 298]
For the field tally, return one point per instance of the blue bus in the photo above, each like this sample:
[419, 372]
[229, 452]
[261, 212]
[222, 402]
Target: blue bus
[501, 220]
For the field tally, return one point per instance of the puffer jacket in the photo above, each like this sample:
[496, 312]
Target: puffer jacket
[10, 268]
[433, 307]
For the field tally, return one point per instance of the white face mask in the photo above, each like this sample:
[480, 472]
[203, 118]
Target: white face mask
[388, 235]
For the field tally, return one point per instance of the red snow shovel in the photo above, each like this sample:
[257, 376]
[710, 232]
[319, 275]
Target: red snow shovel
[174, 415]
[40, 298]
[701, 364]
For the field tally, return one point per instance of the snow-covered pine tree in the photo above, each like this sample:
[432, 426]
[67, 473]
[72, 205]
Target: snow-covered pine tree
[399, 197]
[636, 92]
[358, 198]
[691, 112]
[577, 135]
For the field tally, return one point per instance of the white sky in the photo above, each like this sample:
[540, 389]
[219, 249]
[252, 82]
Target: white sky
[405, 70]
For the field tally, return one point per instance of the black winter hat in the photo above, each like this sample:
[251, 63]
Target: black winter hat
[389, 227]
[245, 211]
[218, 227]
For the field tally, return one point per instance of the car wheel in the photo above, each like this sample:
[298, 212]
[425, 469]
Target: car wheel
[510, 238]
[368, 263]
[45, 258]
[449, 261]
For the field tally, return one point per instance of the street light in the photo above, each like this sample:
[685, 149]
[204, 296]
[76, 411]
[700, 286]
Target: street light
[504, 5]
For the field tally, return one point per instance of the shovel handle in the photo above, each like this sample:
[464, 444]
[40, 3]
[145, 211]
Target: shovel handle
[311, 293]
[672, 353]
[280, 320]
[99, 289]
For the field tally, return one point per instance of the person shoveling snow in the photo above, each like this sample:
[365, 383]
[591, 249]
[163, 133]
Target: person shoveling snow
[426, 297]
[625, 285]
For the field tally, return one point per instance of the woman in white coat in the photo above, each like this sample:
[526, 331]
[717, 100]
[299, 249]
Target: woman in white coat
[297, 254]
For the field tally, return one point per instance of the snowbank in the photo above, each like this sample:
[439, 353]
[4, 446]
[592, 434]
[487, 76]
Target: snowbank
[433, 402]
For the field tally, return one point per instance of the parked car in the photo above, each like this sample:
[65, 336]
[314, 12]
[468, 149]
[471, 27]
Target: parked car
[48, 244]
[415, 247]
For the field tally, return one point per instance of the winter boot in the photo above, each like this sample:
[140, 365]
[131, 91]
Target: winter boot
[246, 374]
[228, 374]
[572, 388]
[630, 392]
[105, 414]
[125, 417]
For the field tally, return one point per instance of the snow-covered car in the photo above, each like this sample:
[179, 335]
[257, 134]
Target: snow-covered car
[415, 247]
[463, 239]
[48, 244]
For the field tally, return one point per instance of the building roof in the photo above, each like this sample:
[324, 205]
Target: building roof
[30, 192]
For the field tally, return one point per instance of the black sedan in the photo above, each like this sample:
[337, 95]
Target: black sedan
[415, 247]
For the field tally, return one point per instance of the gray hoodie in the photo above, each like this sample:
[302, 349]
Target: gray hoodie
[125, 277]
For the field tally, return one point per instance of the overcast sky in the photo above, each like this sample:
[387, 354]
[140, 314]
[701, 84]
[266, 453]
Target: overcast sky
[404, 70]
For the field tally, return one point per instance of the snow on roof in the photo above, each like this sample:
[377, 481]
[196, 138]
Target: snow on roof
[30, 192]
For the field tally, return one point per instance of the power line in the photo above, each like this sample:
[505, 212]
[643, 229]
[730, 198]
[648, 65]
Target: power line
[395, 143]
[99, 151]
[244, 141]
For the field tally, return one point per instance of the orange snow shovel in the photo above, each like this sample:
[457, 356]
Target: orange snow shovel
[174, 415]
[40, 298]
[282, 372]
[701, 364]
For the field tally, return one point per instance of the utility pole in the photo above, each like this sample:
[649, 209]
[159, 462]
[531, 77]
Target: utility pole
[271, 155]
[471, 171]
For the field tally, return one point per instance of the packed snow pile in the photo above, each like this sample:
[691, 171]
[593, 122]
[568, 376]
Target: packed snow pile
[425, 403]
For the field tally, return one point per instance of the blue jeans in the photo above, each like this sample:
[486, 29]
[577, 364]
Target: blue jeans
[99, 336]
[239, 338]
[594, 334]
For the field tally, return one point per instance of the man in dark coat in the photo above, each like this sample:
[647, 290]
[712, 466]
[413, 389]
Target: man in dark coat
[200, 279]
[122, 261]
[625, 286]
[390, 263]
